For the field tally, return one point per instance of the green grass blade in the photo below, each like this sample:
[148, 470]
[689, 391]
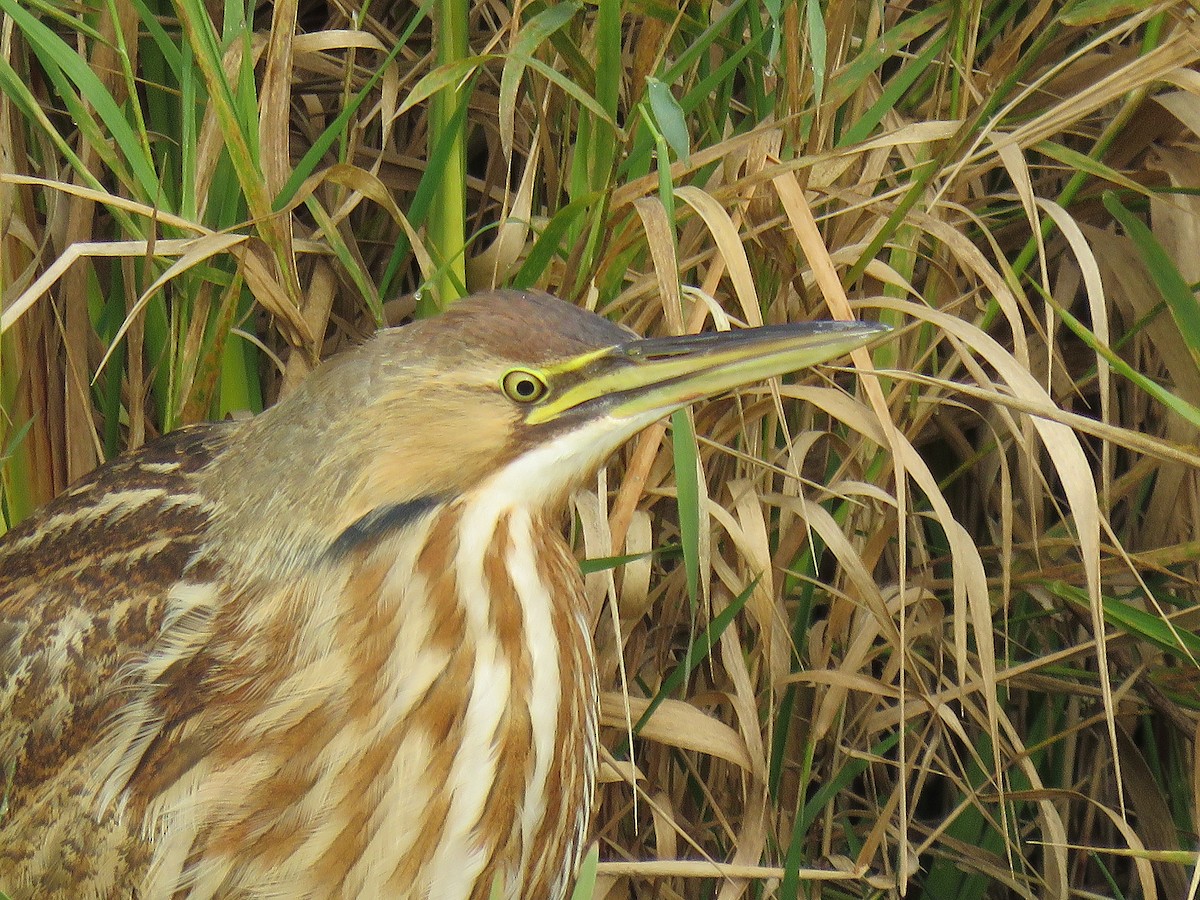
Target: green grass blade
[683, 442]
[1180, 297]
[697, 652]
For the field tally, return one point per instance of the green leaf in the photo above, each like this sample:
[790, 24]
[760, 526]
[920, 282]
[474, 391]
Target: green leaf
[687, 487]
[895, 89]
[1182, 643]
[1081, 162]
[550, 241]
[817, 48]
[842, 779]
[18, 435]
[1151, 387]
[1181, 300]
[1097, 12]
[582, 97]
[441, 78]
[532, 35]
[585, 880]
[669, 118]
[604, 563]
[697, 652]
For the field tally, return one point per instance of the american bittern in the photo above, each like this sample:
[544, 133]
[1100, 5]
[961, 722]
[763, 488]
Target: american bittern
[340, 649]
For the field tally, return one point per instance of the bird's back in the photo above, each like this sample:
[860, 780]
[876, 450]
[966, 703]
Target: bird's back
[84, 588]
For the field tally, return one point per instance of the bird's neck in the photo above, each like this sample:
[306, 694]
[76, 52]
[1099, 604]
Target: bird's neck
[530, 722]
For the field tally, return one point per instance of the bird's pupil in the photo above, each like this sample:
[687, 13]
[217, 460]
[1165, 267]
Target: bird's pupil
[526, 388]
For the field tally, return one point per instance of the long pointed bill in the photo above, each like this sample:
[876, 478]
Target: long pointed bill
[647, 378]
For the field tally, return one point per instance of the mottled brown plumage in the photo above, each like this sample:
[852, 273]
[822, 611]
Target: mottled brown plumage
[339, 650]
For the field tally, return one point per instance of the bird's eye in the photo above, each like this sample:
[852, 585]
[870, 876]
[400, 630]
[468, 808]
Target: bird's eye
[523, 386]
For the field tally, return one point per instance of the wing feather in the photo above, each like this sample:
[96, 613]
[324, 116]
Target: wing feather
[85, 588]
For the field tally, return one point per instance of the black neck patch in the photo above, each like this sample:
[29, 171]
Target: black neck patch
[380, 522]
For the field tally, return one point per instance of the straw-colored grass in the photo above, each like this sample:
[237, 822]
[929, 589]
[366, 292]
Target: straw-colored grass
[926, 625]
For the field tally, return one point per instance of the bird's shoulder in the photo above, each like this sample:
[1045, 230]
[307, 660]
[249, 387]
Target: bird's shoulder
[129, 527]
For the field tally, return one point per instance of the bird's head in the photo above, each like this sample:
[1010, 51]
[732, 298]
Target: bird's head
[508, 388]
